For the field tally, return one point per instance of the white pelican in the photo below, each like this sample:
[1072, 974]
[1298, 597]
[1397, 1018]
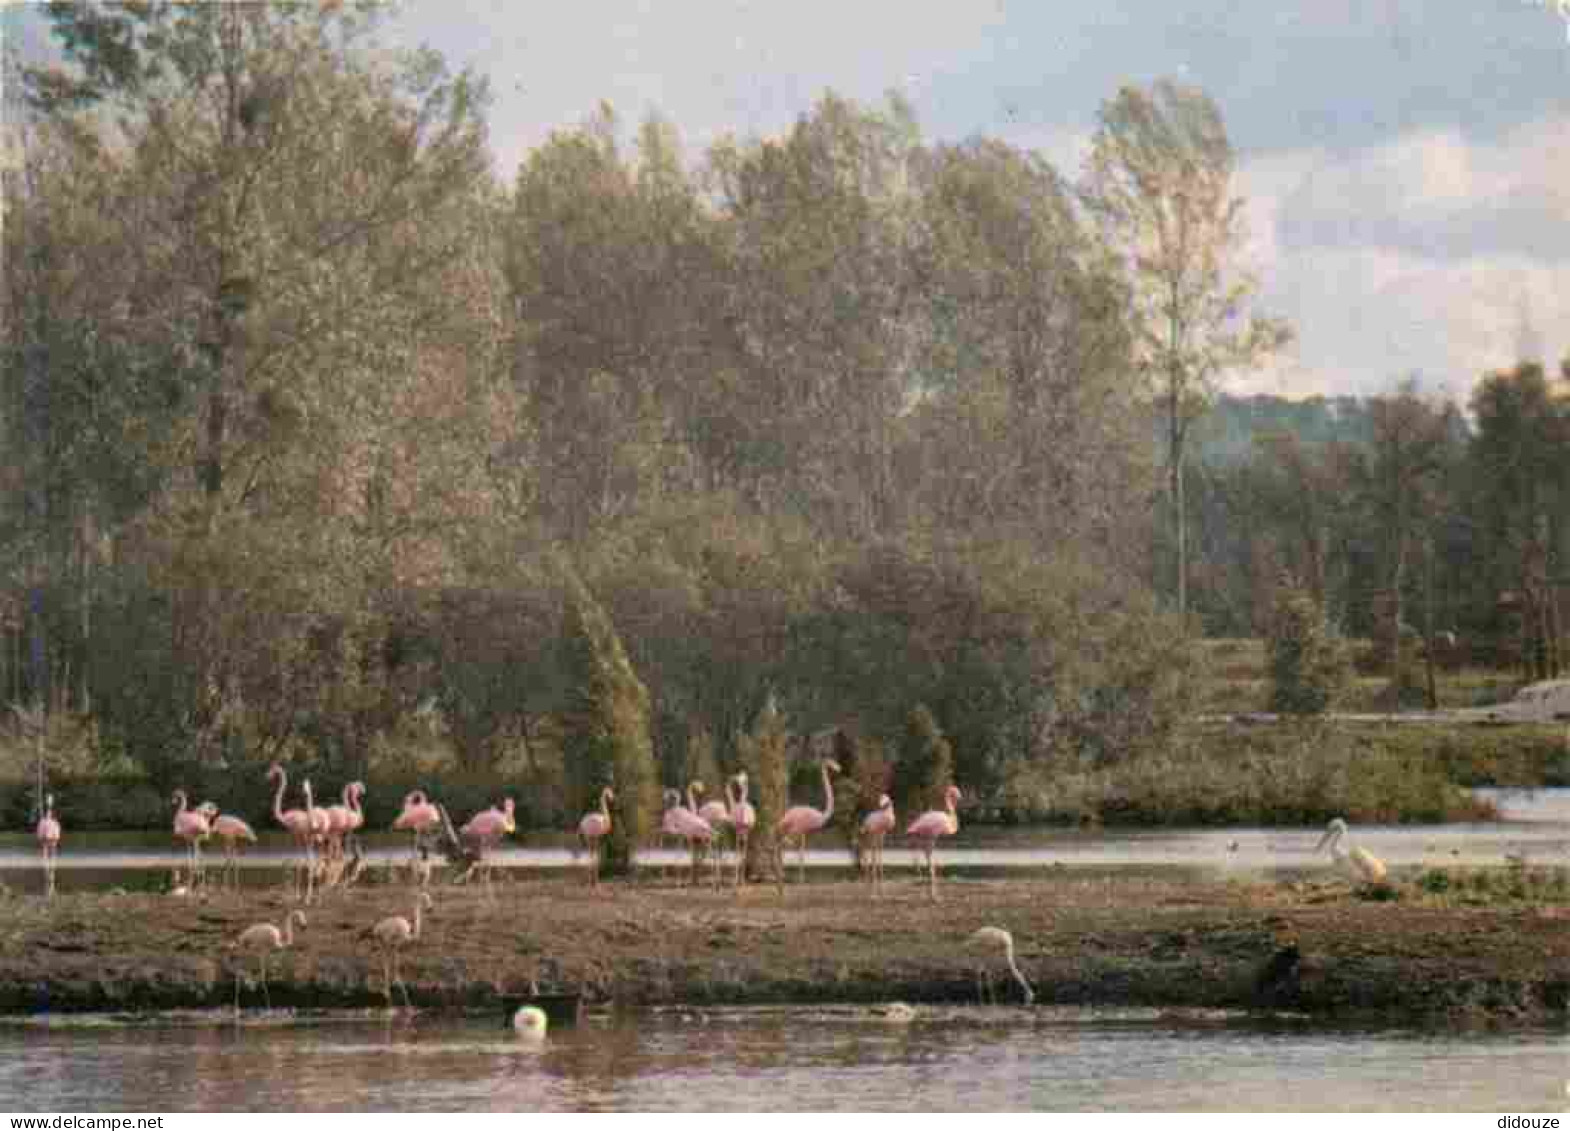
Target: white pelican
[1359, 864]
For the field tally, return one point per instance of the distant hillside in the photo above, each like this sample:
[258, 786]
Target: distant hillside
[1226, 433]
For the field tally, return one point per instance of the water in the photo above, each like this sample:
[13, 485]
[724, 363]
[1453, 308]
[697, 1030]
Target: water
[776, 1059]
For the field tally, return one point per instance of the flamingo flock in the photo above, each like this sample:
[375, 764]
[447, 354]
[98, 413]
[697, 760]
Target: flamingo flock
[321, 835]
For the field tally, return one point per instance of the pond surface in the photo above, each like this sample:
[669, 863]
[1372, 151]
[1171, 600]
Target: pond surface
[773, 1059]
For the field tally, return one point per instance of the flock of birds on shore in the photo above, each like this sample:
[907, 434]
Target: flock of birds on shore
[330, 854]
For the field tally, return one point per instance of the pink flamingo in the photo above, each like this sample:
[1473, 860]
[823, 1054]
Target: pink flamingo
[594, 827]
[419, 816]
[394, 933]
[931, 825]
[321, 840]
[485, 830]
[263, 939]
[298, 822]
[744, 818]
[874, 827]
[697, 832]
[48, 834]
[321, 823]
[669, 824]
[344, 818]
[190, 825]
[233, 832]
[356, 803]
[717, 815]
[801, 820]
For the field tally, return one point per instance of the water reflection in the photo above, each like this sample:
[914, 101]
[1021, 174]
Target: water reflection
[772, 1060]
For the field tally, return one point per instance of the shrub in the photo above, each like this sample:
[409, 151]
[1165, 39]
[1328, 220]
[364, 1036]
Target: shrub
[926, 762]
[1308, 662]
[607, 739]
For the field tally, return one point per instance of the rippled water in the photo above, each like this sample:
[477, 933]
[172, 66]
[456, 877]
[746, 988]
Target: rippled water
[773, 1060]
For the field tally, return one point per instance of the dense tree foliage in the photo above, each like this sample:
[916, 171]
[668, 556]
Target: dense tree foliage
[300, 412]
[1403, 517]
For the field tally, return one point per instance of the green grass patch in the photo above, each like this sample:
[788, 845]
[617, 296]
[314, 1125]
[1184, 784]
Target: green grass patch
[1522, 883]
[1284, 774]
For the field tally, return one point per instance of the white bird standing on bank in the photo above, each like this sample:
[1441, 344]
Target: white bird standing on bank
[1357, 864]
[997, 936]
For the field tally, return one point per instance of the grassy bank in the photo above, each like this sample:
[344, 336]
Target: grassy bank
[1297, 774]
[1416, 954]
[1237, 670]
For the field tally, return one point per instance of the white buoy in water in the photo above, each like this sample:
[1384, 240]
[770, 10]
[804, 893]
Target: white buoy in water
[530, 1021]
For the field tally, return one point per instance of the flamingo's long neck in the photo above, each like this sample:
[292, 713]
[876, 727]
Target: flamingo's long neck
[419, 912]
[1030, 994]
[179, 802]
[692, 798]
[283, 780]
[288, 929]
[828, 795]
[605, 803]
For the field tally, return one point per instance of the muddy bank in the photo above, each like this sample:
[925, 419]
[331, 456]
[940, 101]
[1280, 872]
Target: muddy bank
[1317, 948]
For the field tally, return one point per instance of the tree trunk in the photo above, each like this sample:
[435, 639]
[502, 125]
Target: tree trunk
[1178, 494]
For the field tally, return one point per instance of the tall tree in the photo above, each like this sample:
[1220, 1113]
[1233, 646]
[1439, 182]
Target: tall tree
[1023, 418]
[608, 259]
[811, 330]
[1521, 454]
[293, 220]
[1399, 479]
[1160, 182]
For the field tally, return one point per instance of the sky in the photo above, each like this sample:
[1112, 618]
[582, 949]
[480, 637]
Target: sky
[1405, 163]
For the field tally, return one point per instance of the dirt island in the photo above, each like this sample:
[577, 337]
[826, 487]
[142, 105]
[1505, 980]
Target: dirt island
[1423, 951]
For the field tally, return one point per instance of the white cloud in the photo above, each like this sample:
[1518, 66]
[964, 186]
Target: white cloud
[1442, 194]
[1425, 254]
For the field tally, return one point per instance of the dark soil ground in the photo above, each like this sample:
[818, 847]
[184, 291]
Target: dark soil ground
[1318, 947]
